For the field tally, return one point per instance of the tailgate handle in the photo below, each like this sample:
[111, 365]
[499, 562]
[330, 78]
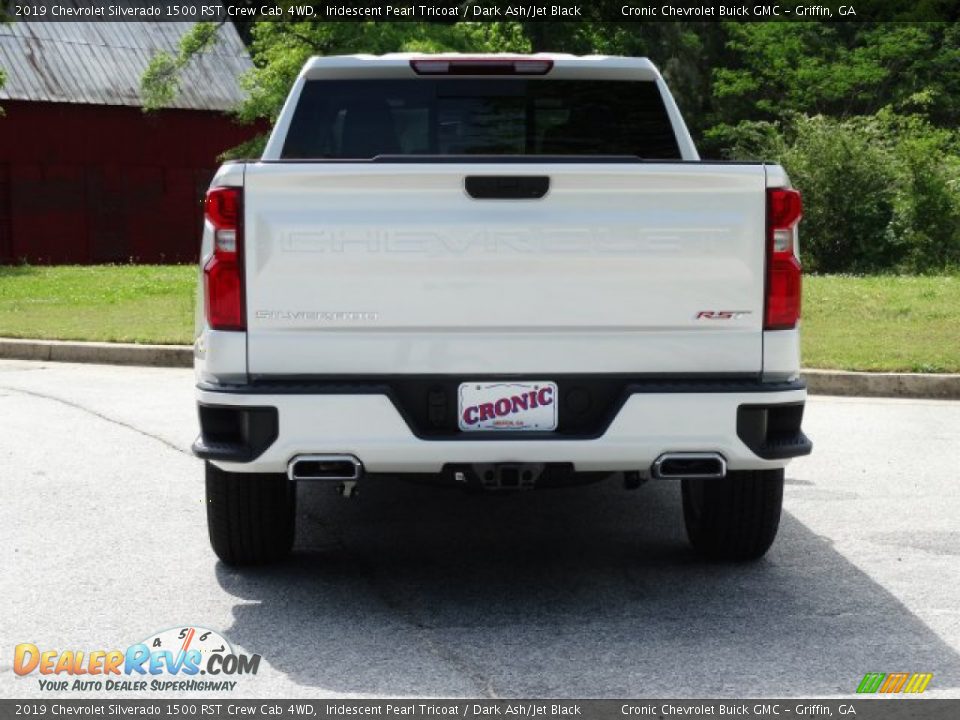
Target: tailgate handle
[507, 187]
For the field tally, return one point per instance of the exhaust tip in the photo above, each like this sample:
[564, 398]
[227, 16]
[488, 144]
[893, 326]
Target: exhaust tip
[325, 467]
[689, 465]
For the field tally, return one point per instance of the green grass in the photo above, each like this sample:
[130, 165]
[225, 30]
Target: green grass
[112, 303]
[906, 323]
[850, 323]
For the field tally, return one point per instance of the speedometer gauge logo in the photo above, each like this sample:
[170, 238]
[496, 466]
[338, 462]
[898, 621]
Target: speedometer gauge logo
[181, 640]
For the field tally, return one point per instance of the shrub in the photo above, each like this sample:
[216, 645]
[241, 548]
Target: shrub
[928, 203]
[881, 192]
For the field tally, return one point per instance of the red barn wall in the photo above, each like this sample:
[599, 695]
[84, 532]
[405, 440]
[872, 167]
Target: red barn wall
[85, 184]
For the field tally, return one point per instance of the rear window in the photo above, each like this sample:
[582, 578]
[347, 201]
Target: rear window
[361, 119]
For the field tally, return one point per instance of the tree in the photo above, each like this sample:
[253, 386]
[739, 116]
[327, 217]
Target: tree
[161, 80]
[838, 69]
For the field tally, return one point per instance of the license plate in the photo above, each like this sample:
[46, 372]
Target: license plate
[507, 406]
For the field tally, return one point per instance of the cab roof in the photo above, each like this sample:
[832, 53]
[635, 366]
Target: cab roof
[564, 66]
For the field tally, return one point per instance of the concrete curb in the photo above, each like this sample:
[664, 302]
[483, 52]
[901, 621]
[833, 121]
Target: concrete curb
[819, 382]
[864, 384]
[97, 352]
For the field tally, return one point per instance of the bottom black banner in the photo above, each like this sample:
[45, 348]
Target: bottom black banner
[862, 709]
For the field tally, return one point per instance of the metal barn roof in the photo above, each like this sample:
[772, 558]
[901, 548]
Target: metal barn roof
[100, 63]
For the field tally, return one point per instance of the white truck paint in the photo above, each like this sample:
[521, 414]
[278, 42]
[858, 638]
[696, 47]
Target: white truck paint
[369, 283]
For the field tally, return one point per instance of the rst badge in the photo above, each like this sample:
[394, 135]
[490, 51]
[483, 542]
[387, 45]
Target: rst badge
[722, 314]
[507, 406]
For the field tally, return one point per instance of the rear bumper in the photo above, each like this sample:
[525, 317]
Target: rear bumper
[753, 425]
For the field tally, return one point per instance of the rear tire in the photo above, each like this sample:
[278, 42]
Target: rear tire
[735, 518]
[250, 516]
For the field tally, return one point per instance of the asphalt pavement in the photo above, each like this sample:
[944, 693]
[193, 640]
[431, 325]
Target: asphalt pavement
[413, 591]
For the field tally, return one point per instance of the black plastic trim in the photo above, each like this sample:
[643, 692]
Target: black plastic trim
[425, 401]
[773, 432]
[506, 187]
[232, 433]
[368, 384]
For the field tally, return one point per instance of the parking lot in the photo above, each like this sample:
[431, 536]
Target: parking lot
[413, 591]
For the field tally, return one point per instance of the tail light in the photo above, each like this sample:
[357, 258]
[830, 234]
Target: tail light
[784, 275]
[223, 273]
[481, 66]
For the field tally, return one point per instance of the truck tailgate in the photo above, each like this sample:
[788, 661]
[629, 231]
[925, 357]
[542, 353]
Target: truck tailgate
[385, 268]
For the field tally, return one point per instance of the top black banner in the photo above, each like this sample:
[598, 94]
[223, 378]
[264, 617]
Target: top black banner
[619, 11]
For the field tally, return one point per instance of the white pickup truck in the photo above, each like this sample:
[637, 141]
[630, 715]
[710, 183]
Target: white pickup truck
[502, 273]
